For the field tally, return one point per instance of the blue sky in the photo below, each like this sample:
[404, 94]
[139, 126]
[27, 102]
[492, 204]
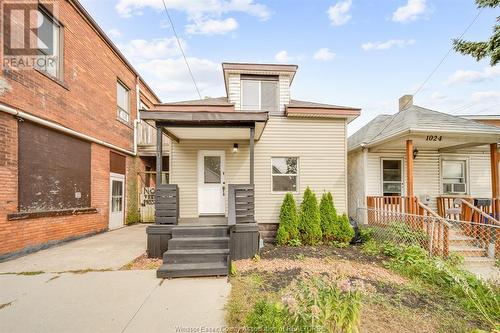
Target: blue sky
[360, 53]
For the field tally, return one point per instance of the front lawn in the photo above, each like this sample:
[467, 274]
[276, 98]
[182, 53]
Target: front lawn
[328, 289]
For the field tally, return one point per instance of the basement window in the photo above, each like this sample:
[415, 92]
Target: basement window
[285, 174]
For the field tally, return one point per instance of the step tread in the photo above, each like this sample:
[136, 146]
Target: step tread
[191, 266]
[461, 238]
[479, 259]
[198, 251]
[195, 239]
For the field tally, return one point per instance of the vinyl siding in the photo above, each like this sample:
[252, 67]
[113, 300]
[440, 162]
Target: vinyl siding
[184, 169]
[427, 172]
[355, 182]
[321, 148]
[234, 93]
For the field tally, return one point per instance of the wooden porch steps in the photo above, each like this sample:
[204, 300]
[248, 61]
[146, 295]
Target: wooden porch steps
[196, 251]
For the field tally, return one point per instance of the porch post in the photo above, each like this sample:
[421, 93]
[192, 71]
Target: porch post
[252, 159]
[494, 169]
[159, 157]
[409, 172]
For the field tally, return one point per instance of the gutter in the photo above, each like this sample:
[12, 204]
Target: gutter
[62, 129]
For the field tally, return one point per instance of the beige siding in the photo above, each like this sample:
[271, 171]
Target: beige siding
[321, 148]
[319, 144]
[234, 93]
[284, 86]
[184, 169]
[356, 182]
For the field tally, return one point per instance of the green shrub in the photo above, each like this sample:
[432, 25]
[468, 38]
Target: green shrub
[267, 317]
[478, 296]
[310, 219]
[289, 220]
[294, 242]
[365, 234]
[322, 306]
[344, 231]
[371, 247]
[328, 216]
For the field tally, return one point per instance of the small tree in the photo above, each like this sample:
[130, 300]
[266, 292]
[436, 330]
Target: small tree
[289, 220]
[344, 232]
[328, 216]
[310, 219]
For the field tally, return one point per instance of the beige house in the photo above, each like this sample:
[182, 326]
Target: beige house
[257, 140]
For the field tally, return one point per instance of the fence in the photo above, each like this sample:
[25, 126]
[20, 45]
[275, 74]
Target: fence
[436, 234]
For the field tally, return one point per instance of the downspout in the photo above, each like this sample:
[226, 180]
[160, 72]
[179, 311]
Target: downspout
[60, 128]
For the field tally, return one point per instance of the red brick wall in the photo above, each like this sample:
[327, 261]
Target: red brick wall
[86, 102]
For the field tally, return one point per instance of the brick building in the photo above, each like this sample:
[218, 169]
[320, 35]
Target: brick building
[69, 136]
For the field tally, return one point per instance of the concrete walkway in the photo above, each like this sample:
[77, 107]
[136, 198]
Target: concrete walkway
[113, 301]
[109, 250]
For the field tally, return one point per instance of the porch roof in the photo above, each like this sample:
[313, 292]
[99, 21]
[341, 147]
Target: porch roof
[210, 125]
[415, 121]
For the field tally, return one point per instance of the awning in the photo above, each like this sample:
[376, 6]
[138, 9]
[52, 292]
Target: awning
[179, 125]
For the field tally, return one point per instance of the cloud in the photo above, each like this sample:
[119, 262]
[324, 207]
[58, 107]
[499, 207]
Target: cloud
[114, 33]
[437, 95]
[387, 44]
[204, 16]
[140, 50]
[324, 54]
[339, 13]
[282, 56]
[412, 11]
[179, 85]
[468, 76]
[212, 27]
[486, 96]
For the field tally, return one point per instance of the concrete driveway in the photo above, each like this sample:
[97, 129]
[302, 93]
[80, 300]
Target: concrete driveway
[109, 250]
[55, 290]
[112, 301]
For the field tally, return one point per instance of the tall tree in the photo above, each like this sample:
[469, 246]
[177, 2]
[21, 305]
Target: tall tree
[489, 48]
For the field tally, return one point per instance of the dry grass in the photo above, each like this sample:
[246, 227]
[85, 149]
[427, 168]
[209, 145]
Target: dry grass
[143, 263]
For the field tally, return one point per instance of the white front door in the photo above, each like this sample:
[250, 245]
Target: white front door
[211, 183]
[116, 201]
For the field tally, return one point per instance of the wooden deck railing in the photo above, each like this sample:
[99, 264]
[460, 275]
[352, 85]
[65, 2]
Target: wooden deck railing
[438, 232]
[393, 204]
[482, 218]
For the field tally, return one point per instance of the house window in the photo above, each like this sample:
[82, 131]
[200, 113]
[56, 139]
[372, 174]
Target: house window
[285, 174]
[123, 101]
[392, 177]
[49, 45]
[260, 95]
[454, 176]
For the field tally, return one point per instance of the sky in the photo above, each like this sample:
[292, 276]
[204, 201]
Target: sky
[361, 53]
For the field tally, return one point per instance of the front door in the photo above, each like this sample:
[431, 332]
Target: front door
[116, 201]
[211, 183]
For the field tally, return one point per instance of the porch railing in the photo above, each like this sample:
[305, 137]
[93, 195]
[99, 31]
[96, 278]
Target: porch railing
[167, 204]
[241, 204]
[396, 204]
[479, 228]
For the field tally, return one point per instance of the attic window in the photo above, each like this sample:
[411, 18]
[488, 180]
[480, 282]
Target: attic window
[259, 93]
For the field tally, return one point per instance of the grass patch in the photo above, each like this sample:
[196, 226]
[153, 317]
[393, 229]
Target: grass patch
[88, 270]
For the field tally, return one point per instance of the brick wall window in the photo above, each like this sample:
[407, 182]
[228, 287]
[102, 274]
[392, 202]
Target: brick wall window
[54, 170]
[50, 44]
[123, 101]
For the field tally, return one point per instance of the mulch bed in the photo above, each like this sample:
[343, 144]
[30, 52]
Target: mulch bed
[143, 263]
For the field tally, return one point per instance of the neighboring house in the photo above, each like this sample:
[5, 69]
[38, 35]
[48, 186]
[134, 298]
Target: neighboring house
[423, 161]
[485, 119]
[67, 142]
[234, 158]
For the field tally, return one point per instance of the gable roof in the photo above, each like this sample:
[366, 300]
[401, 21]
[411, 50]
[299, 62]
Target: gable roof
[415, 118]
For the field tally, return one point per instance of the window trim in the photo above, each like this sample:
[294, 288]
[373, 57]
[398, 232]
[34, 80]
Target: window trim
[466, 177]
[60, 64]
[403, 179]
[118, 107]
[260, 93]
[297, 187]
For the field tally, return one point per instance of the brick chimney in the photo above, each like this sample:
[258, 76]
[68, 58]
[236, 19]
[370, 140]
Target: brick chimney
[405, 102]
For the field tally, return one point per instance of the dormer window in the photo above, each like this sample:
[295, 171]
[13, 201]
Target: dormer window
[259, 93]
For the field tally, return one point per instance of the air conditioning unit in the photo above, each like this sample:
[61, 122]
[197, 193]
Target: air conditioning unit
[459, 188]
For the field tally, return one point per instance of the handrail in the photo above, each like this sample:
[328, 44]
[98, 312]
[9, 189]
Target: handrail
[480, 212]
[433, 213]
